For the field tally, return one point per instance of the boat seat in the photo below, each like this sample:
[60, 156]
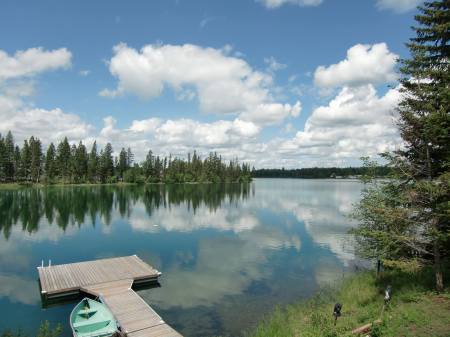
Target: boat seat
[87, 311]
[90, 322]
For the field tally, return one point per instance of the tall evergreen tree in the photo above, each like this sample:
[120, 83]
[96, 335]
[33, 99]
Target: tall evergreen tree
[36, 158]
[122, 164]
[50, 164]
[93, 166]
[2, 159]
[73, 164]
[408, 217]
[16, 162]
[63, 159]
[9, 159]
[81, 162]
[25, 162]
[106, 163]
[148, 165]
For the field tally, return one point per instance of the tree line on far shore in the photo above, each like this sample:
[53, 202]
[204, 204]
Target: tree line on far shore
[69, 164]
[321, 172]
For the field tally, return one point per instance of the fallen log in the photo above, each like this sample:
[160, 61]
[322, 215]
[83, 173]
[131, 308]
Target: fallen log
[365, 328]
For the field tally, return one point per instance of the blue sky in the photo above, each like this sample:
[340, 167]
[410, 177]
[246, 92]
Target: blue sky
[292, 83]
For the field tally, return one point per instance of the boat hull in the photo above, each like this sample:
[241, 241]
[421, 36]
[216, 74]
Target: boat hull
[92, 318]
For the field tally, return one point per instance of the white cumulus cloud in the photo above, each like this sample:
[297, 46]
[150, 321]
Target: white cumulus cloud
[27, 63]
[271, 4]
[357, 122]
[399, 6]
[223, 84]
[364, 64]
[180, 136]
[49, 125]
[17, 85]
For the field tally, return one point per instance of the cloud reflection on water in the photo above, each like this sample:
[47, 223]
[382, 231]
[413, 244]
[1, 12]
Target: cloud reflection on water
[19, 289]
[224, 266]
[219, 250]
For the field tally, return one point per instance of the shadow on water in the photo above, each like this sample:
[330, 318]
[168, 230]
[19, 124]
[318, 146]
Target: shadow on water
[76, 205]
[76, 297]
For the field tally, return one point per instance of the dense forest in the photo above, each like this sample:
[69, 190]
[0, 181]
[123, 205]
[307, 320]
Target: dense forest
[73, 164]
[320, 172]
[68, 164]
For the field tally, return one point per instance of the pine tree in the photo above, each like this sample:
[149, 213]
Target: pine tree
[408, 217]
[36, 158]
[157, 170]
[122, 164]
[50, 164]
[93, 165]
[2, 159]
[9, 159]
[25, 162]
[106, 163]
[16, 162]
[73, 164]
[425, 127]
[148, 165]
[63, 160]
[80, 163]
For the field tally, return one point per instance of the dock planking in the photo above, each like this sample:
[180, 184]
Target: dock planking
[111, 280]
[60, 280]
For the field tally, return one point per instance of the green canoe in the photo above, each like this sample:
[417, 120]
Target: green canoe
[92, 319]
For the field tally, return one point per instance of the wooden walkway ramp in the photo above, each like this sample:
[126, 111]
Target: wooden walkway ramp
[111, 280]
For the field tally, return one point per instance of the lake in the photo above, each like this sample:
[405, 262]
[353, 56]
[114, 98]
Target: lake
[228, 253]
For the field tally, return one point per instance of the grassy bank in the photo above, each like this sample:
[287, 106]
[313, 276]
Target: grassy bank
[415, 309]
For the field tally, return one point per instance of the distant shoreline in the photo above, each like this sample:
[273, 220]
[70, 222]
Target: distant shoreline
[323, 172]
[305, 178]
[10, 186]
[5, 186]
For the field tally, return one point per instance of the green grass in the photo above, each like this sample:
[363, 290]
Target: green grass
[415, 309]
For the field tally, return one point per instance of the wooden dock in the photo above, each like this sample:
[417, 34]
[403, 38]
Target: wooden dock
[111, 280]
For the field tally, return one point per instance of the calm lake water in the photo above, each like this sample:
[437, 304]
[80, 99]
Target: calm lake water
[229, 254]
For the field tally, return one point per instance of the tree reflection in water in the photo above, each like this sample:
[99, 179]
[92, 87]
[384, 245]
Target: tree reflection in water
[75, 205]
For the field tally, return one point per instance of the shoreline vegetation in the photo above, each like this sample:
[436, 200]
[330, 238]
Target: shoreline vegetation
[323, 172]
[414, 310]
[12, 186]
[18, 185]
[72, 164]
